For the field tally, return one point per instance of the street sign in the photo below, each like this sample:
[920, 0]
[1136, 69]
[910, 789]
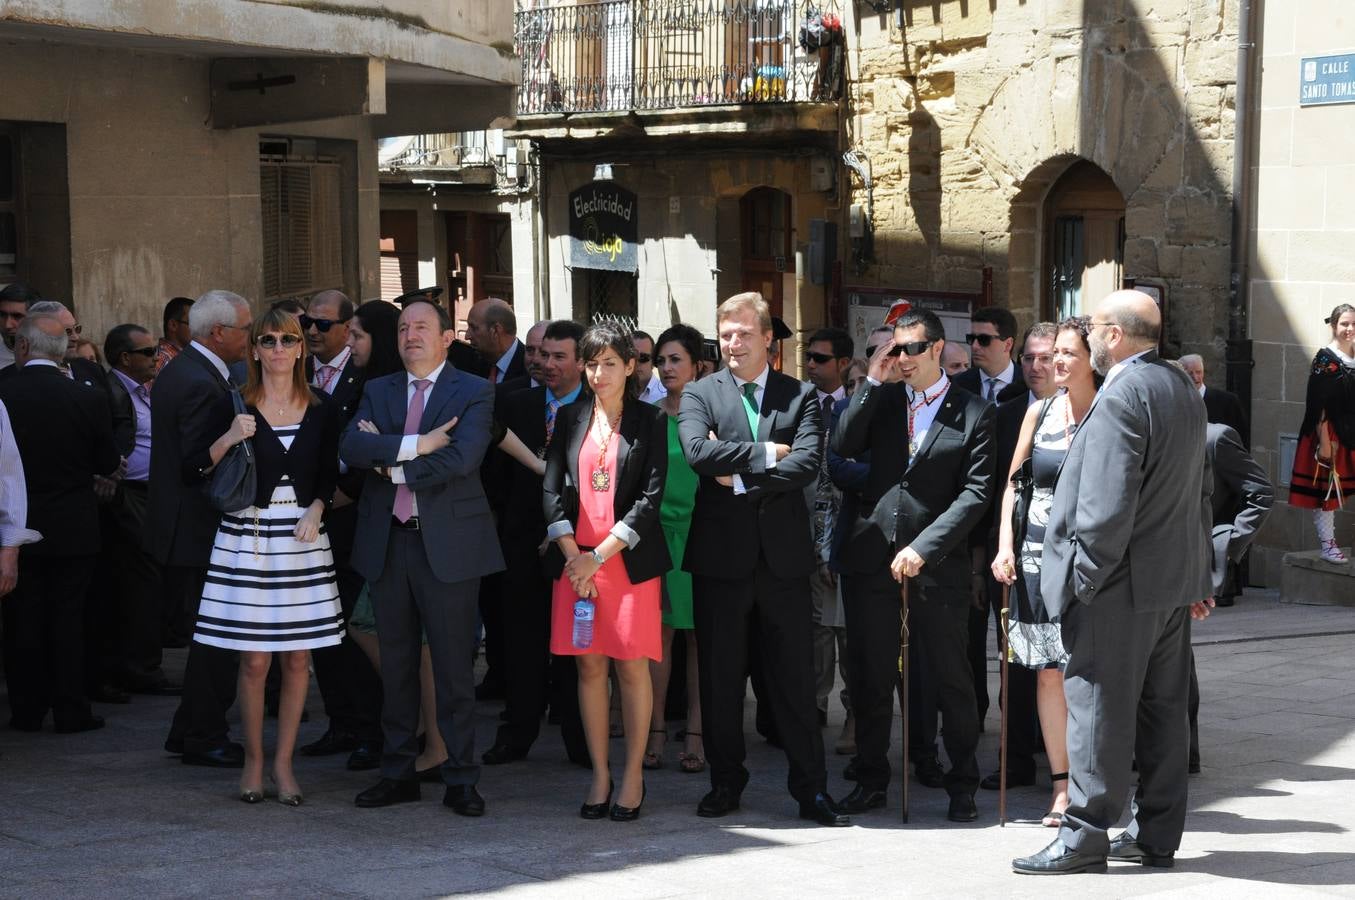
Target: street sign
[1326, 80]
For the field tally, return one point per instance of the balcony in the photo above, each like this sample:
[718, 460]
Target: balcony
[469, 158]
[636, 57]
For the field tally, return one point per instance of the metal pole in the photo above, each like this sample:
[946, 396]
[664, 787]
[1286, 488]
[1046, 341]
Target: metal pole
[1004, 647]
[903, 684]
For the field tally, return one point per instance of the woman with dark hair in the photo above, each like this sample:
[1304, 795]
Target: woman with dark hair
[1032, 639]
[1324, 462]
[371, 337]
[270, 581]
[677, 359]
[605, 473]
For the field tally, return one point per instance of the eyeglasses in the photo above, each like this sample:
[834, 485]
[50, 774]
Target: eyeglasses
[147, 352]
[269, 341]
[819, 358]
[1093, 325]
[643, 358]
[74, 330]
[983, 340]
[248, 326]
[321, 325]
[1037, 357]
[912, 348]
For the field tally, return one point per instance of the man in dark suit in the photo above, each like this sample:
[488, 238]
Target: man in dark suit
[754, 437]
[1220, 406]
[1126, 555]
[349, 686]
[425, 537]
[492, 329]
[931, 476]
[190, 413]
[525, 589]
[64, 439]
[132, 622]
[992, 376]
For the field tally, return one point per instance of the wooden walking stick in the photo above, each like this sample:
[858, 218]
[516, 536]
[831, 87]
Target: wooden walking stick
[903, 683]
[1004, 647]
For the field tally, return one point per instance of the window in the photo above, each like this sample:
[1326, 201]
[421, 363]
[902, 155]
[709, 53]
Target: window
[9, 213]
[302, 226]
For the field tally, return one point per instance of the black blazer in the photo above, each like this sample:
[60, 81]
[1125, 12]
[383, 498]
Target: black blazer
[971, 380]
[1225, 408]
[1006, 431]
[187, 416]
[517, 363]
[730, 531]
[312, 465]
[516, 489]
[124, 414]
[65, 438]
[931, 502]
[642, 466]
[347, 387]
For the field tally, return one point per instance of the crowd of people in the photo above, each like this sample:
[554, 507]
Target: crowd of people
[633, 529]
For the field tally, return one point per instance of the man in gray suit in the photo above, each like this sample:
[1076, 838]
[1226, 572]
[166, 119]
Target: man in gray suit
[1126, 556]
[425, 537]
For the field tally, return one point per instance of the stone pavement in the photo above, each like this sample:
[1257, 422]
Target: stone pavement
[109, 815]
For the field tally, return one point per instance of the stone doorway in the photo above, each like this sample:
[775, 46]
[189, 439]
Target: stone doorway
[1084, 241]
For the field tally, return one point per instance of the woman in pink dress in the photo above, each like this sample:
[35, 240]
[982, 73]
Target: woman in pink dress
[604, 482]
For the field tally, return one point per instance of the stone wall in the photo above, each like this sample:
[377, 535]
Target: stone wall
[1302, 226]
[972, 110]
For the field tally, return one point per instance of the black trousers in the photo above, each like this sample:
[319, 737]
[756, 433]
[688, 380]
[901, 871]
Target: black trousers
[491, 618]
[1193, 708]
[939, 633]
[778, 614]
[410, 602]
[44, 640]
[349, 687]
[128, 594]
[525, 605]
[209, 678]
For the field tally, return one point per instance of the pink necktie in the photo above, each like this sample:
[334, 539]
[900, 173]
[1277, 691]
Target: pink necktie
[404, 497]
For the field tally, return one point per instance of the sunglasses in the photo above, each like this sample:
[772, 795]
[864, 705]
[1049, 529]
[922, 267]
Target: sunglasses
[321, 325]
[643, 358]
[147, 352]
[74, 330]
[819, 358]
[983, 340]
[269, 341]
[912, 348]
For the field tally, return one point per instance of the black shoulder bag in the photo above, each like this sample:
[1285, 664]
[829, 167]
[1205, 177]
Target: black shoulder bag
[234, 479]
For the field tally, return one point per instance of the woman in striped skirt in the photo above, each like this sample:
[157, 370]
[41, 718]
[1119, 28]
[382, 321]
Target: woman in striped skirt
[270, 583]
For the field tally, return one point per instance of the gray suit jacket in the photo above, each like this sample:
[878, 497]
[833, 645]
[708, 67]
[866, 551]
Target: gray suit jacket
[455, 523]
[1242, 499]
[1131, 516]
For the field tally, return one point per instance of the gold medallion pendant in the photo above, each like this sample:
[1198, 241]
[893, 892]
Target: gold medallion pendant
[602, 480]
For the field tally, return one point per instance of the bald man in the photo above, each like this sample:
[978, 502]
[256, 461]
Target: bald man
[1126, 564]
[492, 329]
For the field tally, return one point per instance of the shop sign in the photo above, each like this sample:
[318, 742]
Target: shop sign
[602, 228]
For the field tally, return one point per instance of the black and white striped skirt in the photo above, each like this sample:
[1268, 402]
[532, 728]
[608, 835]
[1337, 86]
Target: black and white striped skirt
[265, 589]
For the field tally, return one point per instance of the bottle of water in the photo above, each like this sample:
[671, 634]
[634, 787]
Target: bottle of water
[583, 623]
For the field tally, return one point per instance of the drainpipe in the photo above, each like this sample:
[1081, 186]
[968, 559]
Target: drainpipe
[1239, 352]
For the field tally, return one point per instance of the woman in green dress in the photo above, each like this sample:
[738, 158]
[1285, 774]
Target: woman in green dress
[677, 356]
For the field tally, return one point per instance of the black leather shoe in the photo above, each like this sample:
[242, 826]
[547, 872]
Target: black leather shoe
[929, 773]
[1193, 767]
[503, 753]
[464, 800]
[861, 799]
[174, 746]
[849, 771]
[621, 813]
[824, 811]
[1057, 859]
[1126, 849]
[962, 808]
[1014, 779]
[597, 810]
[721, 801]
[365, 756]
[108, 693]
[330, 743]
[388, 792]
[87, 723]
[19, 723]
[430, 775]
[231, 756]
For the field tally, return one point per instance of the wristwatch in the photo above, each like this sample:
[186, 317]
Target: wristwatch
[597, 557]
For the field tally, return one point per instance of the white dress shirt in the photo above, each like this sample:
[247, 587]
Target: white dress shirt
[1122, 365]
[654, 392]
[13, 491]
[409, 446]
[214, 360]
[770, 447]
[337, 363]
[924, 411]
[1002, 379]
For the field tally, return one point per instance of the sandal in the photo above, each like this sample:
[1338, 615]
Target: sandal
[654, 760]
[692, 763]
[1054, 818]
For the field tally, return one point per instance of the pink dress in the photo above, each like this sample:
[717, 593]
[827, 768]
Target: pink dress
[626, 622]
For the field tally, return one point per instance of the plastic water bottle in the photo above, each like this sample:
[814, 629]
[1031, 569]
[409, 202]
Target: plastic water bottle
[583, 623]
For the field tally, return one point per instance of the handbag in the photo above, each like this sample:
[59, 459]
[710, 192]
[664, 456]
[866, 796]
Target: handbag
[1023, 481]
[234, 479]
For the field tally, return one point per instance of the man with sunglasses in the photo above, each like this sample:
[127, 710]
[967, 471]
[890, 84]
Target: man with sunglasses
[14, 300]
[929, 483]
[651, 388]
[993, 375]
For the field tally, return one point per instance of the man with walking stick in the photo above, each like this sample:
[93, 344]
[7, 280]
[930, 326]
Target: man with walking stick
[930, 479]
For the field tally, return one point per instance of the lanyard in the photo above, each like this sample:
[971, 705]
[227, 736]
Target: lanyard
[914, 407]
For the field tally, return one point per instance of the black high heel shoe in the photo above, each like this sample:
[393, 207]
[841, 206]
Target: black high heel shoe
[597, 810]
[621, 813]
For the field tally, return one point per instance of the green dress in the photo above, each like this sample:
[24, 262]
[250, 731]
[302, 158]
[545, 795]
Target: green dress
[675, 515]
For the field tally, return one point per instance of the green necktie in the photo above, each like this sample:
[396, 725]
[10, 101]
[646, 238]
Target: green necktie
[750, 406]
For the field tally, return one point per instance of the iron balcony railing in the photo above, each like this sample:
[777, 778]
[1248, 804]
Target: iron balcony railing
[619, 55]
[441, 151]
